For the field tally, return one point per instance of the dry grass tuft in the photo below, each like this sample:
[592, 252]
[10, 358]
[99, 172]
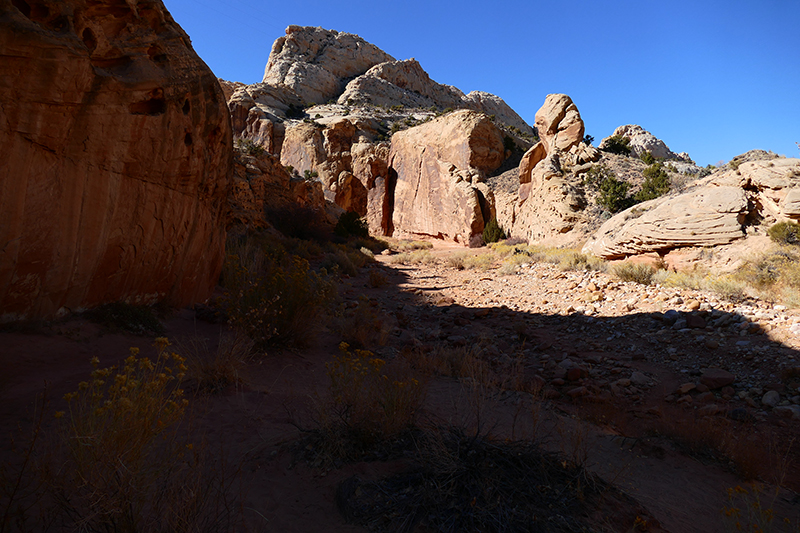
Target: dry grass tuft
[637, 272]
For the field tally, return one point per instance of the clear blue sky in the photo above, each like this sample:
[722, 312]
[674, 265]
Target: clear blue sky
[711, 78]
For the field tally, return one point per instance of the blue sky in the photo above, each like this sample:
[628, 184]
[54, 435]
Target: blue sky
[711, 78]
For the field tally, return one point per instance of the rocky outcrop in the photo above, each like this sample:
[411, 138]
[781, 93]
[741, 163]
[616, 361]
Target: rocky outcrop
[641, 141]
[705, 217]
[116, 158]
[315, 63]
[437, 171]
[405, 83]
[262, 185]
[560, 129]
[717, 211]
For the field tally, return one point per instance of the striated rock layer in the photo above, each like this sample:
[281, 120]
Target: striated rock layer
[116, 158]
[715, 212]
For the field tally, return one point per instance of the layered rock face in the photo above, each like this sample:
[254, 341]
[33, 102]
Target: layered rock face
[437, 172]
[314, 63]
[716, 211]
[116, 158]
[641, 141]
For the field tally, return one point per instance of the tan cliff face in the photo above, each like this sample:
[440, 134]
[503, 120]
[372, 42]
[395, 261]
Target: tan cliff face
[116, 158]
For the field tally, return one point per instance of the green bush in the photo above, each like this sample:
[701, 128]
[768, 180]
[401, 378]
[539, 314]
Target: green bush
[351, 223]
[310, 174]
[656, 183]
[617, 144]
[614, 195]
[648, 158]
[785, 233]
[493, 232]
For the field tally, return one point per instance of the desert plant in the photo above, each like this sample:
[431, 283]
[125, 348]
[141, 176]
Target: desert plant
[137, 319]
[213, 370]
[370, 401]
[638, 272]
[493, 232]
[647, 158]
[250, 147]
[351, 223]
[656, 183]
[415, 257]
[614, 195]
[785, 232]
[299, 222]
[274, 297]
[588, 139]
[364, 326]
[309, 175]
[617, 144]
[751, 509]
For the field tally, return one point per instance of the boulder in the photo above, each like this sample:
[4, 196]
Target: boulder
[116, 158]
[716, 378]
[316, 63]
[706, 216]
[641, 141]
[436, 168]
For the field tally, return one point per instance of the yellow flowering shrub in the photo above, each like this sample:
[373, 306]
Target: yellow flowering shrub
[275, 299]
[374, 399]
[119, 458]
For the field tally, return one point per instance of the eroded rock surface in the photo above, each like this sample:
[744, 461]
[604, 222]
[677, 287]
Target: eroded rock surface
[439, 168]
[642, 141]
[716, 211]
[314, 63]
[116, 158]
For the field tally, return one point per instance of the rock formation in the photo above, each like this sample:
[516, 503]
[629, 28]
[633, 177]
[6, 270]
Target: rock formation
[116, 158]
[314, 63]
[718, 210]
[642, 141]
[561, 130]
[549, 201]
[438, 169]
[261, 185]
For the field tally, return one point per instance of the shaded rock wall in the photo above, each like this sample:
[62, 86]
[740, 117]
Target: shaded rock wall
[116, 158]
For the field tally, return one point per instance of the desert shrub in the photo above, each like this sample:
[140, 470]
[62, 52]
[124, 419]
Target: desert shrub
[295, 112]
[614, 195]
[617, 144]
[785, 232]
[137, 319]
[409, 245]
[120, 461]
[364, 326]
[656, 183]
[309, 175]
[638, 272]
[351, 223]
[274, 298]
[415, 257]
[213, 370]
[250, 147]
[493, 232]
[588, 139]
[299, 222]
[647, 158]
[752, 509]
[371, 400]
[377, 279]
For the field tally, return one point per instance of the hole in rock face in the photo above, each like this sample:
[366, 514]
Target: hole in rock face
[157, 55]
[186, 107]
[187, 139]
[23, 7]
[89, 39]
[155, 105]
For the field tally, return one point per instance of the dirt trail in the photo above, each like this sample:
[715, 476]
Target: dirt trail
[608, 363]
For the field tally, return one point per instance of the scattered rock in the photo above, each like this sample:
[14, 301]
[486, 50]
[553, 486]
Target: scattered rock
[716, 378]
[771, 398]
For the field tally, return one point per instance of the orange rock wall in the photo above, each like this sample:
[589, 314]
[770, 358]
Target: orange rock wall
[116, 157]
